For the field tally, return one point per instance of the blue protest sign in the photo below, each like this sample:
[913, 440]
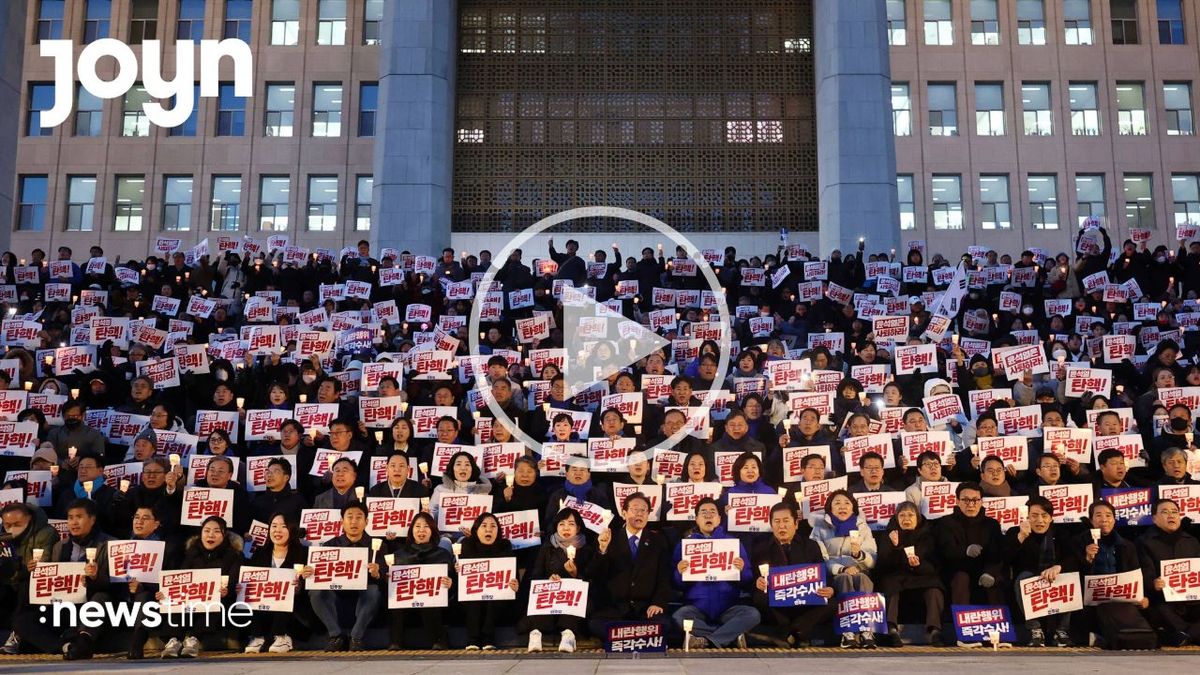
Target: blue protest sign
[1133, 505]
[860, 612]
[629, 637]
[975, 623]
[796, 585]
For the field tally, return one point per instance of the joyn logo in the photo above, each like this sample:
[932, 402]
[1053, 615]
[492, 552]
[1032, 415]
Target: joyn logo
[181, 87]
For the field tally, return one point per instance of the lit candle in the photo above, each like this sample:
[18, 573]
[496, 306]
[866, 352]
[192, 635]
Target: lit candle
[37, 554]
[28, 386]
[174, 459]
[509, 479]
[764, 570]
[571, 552]
[241, 401]
[659, 478]
[457, 548]
[74, 393]
[389, 559]
[224, 581]
[359, 491]
[71, 452]
[1095, 535]
[124, 485]
[299, 569]
[423, 467]
[90, 552]
[304, 398]
[375, 544]
[379, 437]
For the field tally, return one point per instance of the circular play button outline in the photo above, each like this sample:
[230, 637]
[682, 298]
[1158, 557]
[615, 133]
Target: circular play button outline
[724, 343]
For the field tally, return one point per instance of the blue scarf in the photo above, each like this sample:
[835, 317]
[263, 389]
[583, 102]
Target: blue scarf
[81, 493]
[758, 487]
[842, 528]
[579, 492]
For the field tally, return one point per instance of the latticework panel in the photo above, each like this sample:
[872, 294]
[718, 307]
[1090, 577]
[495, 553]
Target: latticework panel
[699, 112]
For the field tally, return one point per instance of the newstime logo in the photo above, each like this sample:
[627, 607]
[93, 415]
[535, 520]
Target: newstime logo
[181, 88]
[147, 614]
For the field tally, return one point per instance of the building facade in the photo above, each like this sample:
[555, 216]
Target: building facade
[1015, 120]
[420, 123]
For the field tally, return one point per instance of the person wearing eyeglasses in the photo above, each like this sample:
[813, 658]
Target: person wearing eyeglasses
[971, 547]
[279, 497]
[994, 477]
[1178, 623]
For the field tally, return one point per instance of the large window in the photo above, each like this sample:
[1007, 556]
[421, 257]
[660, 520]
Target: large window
[322, 203]
[231, 112]
[1170, 22]
[1177, 98]
[1185, 192]
[897, 23]
[177, 203]
[191, 20]
[1043, 201]
[188, 128]
[1139, 200]
[81, 203]
[281, 107]
[50, 20]
[372, 21]
[1085, 114]
[989, 109]
[41, 99]
[362, 202]
[1031, 22]
[1131, 109]
[285, 22]
[327, 110]
[1089, 197]
[947, 202]
[939, 29]
[239, 16]
[1124, 22]
[131, 199]
[134, 122]
[143, 22]
[1035, 104]
[331, 22]
[1077, 22]
[97, 19]
[993, 198]
[985, 22]
[943, 109]
[368, 104]
[31, 210]
[273, 195]
[901, 109]
[225, 213]
[89, 112]
[904, 194]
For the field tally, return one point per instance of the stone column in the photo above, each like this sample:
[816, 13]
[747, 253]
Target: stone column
[12, 53]
[414, 144]
[856, 151]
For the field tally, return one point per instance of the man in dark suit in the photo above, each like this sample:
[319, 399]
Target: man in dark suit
[398, 484]
[636, 566]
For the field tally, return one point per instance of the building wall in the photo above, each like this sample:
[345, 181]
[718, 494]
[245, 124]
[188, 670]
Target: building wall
[205, 155]
[1062, 154]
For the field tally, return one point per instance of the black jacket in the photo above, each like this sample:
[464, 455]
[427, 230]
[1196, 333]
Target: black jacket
[629, 585]
[956, 532]
[1155, 546]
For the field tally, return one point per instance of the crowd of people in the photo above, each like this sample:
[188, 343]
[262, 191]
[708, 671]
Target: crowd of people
[882, 410]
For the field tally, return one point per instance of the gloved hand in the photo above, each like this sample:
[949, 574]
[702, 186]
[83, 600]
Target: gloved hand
[987, 580]
[974, 551]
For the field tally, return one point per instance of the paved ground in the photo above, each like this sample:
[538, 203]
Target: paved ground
[1016, 662]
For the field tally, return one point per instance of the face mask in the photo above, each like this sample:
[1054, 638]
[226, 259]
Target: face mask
[1027, 310]
[308, 378]
[72, 424]
[1179, 424]
[1161, 259]
[1059, 354]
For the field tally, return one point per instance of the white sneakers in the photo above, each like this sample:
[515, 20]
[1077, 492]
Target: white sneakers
[566, 643]
[171, 649]
[191, 647]
[255, 645]
[535, 641]
[281, 645]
